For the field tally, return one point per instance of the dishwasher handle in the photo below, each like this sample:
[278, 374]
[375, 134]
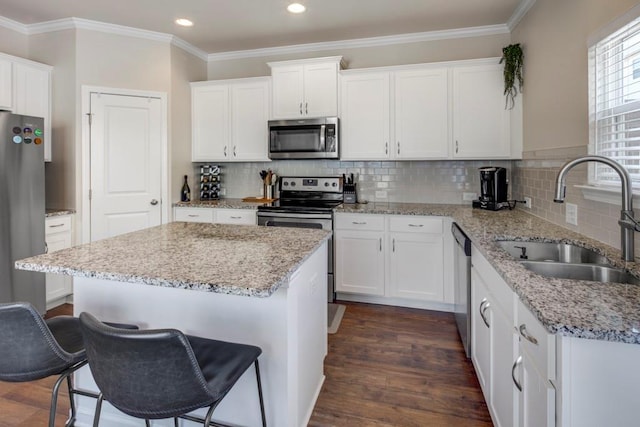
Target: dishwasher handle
[461, 239]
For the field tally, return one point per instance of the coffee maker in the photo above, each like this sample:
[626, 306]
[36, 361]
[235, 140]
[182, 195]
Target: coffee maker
[493, 189]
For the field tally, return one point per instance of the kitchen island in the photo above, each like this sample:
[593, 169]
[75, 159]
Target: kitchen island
[256, 285]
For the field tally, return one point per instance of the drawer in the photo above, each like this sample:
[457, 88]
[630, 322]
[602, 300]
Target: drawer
[57, 241]
[235, 216]
[415, 224]
[359, 222]
[193, 215]
[543, 350]
[57, 224]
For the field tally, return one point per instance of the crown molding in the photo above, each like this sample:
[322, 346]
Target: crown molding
[487, 30]
[13, 25]
[518, 14]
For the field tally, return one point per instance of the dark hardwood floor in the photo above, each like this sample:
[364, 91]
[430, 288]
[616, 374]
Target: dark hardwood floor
[387, 366]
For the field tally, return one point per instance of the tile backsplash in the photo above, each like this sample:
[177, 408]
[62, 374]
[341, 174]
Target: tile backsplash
[378, 181]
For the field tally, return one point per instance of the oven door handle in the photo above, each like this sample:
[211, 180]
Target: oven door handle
[266, 214]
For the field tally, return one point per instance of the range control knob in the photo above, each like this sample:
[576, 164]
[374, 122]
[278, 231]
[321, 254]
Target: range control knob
[326, 184]
[334, 185]
[293, 184]
[285, 183]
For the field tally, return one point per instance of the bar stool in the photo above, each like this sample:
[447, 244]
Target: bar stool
[163, 373]
[32, 348]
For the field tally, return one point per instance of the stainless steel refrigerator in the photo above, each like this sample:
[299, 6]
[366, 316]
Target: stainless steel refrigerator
[22, 211]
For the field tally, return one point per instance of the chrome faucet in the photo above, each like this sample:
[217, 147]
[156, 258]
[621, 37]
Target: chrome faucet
[627, 223]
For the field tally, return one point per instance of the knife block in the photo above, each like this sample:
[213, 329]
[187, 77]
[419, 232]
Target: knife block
[350, 193]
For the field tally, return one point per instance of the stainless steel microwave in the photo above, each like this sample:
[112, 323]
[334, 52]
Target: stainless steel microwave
[304, 139]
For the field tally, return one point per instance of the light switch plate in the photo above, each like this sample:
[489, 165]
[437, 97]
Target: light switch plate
[571, 213]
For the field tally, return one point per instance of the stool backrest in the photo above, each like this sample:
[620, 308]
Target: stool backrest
[144, 373]
[28, 350]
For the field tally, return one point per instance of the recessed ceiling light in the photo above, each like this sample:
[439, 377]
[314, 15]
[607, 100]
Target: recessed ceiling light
[296, 8]
[184, 22]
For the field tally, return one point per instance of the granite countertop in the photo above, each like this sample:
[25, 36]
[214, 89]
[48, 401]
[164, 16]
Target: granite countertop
[58, 212]
[577, 308]
[220, 203]
[232, 259]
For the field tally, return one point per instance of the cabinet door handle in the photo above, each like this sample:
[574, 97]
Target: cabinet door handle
[517, 363]
[381, 244]
[46, 248]
[456, 147]
[484, 305]
[306, 108]
[386, 148]
[525, 334]
[225, 151]
[234, 151]
[393, 244]
[301, 108]
[398, 147]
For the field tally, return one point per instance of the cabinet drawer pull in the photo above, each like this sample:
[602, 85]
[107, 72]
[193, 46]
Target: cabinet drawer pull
[359, 222]
[513, 373]
[484, 305]
[235, 217]
[193, 216]
[525, 334]
[416, 225]
[56, 225]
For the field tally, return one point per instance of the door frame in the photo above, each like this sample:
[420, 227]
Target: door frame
[85, 154]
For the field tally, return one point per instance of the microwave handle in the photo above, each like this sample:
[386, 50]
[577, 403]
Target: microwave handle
[323, 146]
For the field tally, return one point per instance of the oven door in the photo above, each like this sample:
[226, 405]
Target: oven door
[298, 220]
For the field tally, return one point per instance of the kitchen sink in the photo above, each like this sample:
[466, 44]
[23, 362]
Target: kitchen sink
[551, 251]
[593, 272]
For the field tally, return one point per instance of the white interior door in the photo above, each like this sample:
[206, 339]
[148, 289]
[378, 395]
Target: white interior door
[126, 164]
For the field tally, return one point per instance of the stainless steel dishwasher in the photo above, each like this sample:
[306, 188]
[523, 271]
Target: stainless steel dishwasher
[462, 285]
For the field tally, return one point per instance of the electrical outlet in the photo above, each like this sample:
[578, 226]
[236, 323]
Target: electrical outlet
[571, 213]
[527, 202]
[469, 196]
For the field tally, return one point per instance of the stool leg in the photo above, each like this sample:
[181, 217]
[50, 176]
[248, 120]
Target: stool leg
[264, 418]
[96, 417]
[147, 423]
[207, 420]
[175, 422]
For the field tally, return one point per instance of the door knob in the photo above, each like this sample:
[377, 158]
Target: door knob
[154, 202]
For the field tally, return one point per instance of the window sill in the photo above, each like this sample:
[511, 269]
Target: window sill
[609, 195]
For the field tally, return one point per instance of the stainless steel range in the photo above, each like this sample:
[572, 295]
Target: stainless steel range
[306, 202]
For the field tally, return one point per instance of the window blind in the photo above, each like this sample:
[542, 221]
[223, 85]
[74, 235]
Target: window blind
[615, 102]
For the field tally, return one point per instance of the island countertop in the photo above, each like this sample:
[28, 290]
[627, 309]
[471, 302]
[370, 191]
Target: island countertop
[575, 308]
[241, 260]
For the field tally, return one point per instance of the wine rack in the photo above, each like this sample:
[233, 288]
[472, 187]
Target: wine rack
[210, 182]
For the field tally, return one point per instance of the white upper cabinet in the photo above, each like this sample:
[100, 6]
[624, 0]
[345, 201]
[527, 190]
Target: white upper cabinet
[395, 115]
[421, 114]
[25, 88]
[6, 84]
[229, 120]
[364, 122]
[481, 124]
[428, 112]
[305, 88]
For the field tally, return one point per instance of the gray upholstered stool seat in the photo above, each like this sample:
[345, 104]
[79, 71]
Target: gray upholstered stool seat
[32, 349]
[163, 373]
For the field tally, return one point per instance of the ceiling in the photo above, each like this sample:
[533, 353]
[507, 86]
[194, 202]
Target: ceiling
[235, 25]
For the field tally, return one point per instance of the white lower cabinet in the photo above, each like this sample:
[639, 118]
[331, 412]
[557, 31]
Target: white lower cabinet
[396, 257]
[215, 215]
[494, 344]
[514, 356]
[58, 236]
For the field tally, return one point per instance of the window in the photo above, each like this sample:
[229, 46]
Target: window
[614, 108]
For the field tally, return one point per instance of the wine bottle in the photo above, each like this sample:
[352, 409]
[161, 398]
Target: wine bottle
[185, 193]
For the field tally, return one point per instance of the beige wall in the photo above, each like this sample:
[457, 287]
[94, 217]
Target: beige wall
[554, 38]
[58, 50]
[13, 43]
[185, 68]
[410, 53]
